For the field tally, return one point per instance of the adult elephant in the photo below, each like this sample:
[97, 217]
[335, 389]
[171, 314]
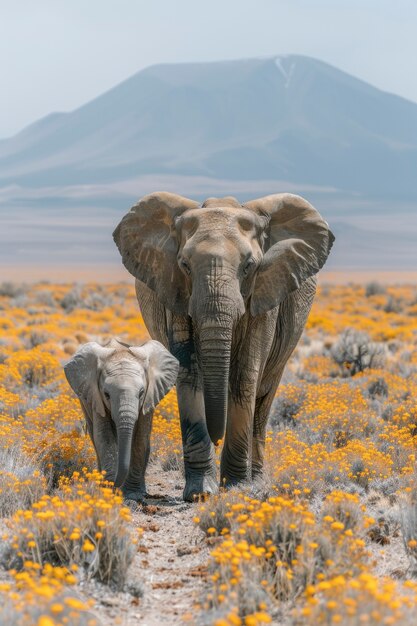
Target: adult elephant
[227, 288]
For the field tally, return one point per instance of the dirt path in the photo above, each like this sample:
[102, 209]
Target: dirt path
[169, 568]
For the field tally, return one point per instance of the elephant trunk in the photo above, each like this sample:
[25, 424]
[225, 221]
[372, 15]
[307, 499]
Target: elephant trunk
[126, 419]
[215, 307]
[214, 343]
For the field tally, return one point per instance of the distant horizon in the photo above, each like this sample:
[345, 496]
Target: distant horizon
[116, 273]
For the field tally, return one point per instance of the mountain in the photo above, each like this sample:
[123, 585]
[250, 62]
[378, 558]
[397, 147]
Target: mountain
[245, 128]
[288, 118]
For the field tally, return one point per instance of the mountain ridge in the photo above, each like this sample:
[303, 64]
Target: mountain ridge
[220, 62]
[288, 117]
[245, 128]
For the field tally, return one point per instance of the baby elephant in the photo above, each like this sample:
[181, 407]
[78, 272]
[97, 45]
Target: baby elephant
[118, 387]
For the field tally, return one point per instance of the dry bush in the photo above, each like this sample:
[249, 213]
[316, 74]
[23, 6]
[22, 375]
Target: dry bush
[286, 406]
[393, 305]
[273, 550]
[84, 524]
[354, 352]
[21, 481]
[345, 508]
[52, 432]
[408, 519]
[331, 412]
[12, 290]
[78, 298]
[214, 517]
[378, 388]
[72, 299]
[374, 288]
[46, 297]
[357, 600]
[33, 338]
[44, 598]
[29, 369]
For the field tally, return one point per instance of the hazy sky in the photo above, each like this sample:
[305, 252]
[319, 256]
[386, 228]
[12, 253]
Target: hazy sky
[57, 54]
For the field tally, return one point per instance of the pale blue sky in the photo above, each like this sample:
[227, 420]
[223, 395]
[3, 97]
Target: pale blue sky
[57, 54]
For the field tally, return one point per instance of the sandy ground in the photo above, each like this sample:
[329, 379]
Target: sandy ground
[169, 568]
[385, 543]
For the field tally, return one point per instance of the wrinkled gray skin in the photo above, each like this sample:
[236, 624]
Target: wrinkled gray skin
[118, 387]
[227, 288]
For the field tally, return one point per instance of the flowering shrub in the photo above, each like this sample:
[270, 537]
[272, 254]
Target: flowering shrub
[363, 599]
[21, 480]
[40, 595]
[54, 434]
[82, 524]
[32, 368]
[273, 549]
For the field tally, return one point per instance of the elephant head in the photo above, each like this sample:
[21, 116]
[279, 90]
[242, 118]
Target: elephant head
[219, 260]
[124, 382]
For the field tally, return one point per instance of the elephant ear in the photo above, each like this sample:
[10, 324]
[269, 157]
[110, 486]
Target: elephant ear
[162, 371]
[297, 244]
[148, 242]
[82, 373]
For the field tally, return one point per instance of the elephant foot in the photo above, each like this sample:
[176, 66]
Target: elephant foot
[110, 477]
[135, 495]
[234, 468]
[132, 504]
[258, 475]
[230, 482]
[199, 486]
[231, 477]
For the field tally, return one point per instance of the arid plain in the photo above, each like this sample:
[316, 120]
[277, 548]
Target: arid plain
[330, 537]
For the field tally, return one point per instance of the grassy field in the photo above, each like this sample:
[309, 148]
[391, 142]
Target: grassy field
[330, 535]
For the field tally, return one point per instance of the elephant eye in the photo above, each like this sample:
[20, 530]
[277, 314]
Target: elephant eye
[185, 267]
[248, 267]
[107, 395]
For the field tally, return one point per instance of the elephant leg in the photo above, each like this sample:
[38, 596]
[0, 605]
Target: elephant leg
[234, 467]
[263, 404]
[198, 450]
[104, 441]
[254, 340]
[134, 487]
[290, 322]
[175, 333]
[199, 459]
[262, 409]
